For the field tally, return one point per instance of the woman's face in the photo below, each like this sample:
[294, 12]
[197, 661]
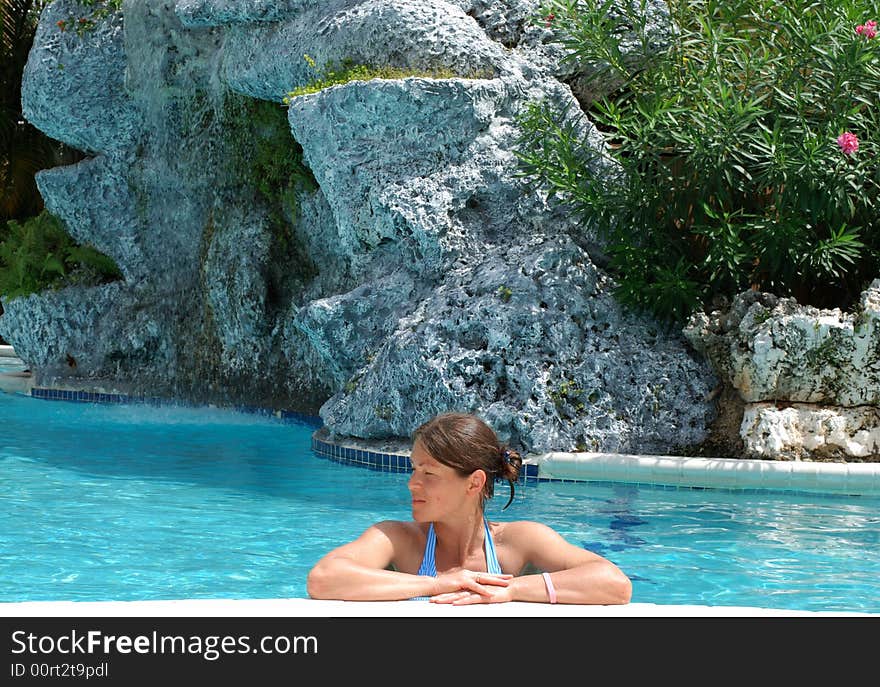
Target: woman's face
[436, 489]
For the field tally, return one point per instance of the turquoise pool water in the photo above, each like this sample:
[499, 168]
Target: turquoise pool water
[134, 502]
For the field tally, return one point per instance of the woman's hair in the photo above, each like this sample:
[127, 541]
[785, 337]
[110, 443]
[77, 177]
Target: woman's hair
[466, 443]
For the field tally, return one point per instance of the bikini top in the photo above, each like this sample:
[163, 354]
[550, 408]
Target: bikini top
[429, 565]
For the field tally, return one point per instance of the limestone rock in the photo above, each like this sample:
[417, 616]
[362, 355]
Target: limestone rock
[200, 13]
[530, 336]
[809, 378]
[773, 349]
[417, 273]
[88, 332]
[73, 86]
[518, 25]
[808, 432]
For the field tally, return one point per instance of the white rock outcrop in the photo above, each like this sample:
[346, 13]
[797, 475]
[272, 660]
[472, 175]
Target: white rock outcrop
[810, 378]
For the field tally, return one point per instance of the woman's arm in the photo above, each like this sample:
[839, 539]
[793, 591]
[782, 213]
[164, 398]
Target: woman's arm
[358, 571]
[577, 576]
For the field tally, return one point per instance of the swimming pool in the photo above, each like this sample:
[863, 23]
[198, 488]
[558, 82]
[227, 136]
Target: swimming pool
[139, 502]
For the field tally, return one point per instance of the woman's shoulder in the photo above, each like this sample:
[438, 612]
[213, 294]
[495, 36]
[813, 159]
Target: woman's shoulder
[402, 529]
[402, 525]
[517, 530]
[517, 543]
[408, 542]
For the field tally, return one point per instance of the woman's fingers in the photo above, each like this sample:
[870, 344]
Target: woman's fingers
[451, 597]
[491, 578]
[469, 581]
[471, 598]
[483, 583]
[474, 587]
[467, 597]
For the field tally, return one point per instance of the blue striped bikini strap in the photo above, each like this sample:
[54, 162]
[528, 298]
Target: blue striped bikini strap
[492, 563]
[429, 563]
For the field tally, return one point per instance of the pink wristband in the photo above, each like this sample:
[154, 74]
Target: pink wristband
[551, 592]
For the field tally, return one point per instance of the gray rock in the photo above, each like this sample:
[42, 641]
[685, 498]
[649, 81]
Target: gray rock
[98, 208]
[200, 13]
[530, 337]
[520, 26]
[236, 286]
[73, 86]
[422, 273]
[98, 333]
[270, 61]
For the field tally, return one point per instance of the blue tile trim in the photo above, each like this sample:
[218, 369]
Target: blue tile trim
[79, 396]
[386, 462]
[374, 460]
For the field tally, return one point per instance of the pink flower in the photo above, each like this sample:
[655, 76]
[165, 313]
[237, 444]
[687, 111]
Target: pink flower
[848, 142]
[868, 29]
[549, 19]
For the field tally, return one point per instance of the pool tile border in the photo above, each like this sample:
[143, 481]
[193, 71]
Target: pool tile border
[79, 396]
[305, 608]
[385, 461]
[728, 474]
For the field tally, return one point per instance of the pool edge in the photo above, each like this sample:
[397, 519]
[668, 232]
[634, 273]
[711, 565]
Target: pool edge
[843, 479]
[306, 608]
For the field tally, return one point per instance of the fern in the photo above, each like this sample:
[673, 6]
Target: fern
[39, 254]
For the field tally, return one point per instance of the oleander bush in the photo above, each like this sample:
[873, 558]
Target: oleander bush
[739, 153]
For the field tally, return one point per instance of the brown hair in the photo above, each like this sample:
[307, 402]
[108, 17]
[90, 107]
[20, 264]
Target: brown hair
[466, 443]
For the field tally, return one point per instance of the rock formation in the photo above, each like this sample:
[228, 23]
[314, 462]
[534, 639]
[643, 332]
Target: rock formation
[808, 379]
[400, 267]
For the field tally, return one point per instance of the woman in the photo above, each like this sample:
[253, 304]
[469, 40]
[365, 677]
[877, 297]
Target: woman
[450, 553]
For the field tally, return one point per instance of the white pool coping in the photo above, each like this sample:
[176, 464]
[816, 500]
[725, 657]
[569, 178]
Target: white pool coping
[312, 608]
[856, 479]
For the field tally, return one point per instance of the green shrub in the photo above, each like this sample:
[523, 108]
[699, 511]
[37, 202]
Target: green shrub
[264, 158]
[730, 159]
[39, 254]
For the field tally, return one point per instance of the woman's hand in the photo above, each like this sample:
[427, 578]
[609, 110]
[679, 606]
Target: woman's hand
[469, 587]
